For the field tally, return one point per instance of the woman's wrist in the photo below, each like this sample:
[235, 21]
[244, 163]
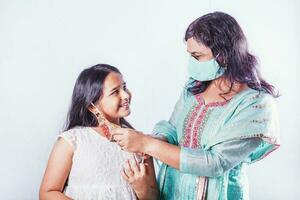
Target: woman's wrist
[147, 144]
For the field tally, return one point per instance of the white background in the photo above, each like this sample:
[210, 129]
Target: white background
[44, 44]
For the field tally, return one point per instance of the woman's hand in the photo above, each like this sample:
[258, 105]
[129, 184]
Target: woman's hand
[141, 178]
[134, 141]
[129, 139]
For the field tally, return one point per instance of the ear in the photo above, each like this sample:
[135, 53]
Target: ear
[93, 109]
[222, 60]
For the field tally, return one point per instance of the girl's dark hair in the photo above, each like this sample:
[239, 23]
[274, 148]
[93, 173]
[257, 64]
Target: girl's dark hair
[223, 35]
[88, 89]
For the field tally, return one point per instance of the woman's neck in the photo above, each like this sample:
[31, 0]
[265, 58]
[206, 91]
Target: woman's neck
[222, 88]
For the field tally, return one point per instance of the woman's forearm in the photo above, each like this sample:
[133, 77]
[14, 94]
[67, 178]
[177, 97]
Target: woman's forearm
[161, 150]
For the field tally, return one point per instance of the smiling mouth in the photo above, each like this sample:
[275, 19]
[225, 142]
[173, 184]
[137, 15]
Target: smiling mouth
[125, 105]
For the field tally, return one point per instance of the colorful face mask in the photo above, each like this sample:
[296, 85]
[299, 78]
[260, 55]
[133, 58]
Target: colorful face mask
[204, 70]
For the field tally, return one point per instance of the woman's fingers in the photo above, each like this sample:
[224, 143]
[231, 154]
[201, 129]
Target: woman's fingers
[146, 156]
[140, 154]
[116, 131]
[120, 143]
[118, 137]
[119, 131]
[119, 140]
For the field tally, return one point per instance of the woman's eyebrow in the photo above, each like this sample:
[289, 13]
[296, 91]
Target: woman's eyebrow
[195, 52]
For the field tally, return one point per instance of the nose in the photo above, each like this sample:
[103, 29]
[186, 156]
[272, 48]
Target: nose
[125, 94]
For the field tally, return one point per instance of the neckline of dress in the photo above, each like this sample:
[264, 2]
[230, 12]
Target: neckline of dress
[200, 99]
[97, 133]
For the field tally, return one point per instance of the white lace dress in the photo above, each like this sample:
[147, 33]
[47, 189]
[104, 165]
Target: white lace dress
[96, 167]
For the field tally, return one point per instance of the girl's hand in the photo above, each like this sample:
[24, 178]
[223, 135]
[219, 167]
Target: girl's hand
[141, 157]
[140, 178]
[129, 139]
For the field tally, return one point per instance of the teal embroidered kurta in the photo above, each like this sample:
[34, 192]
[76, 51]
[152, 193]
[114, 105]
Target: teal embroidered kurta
[218, 140]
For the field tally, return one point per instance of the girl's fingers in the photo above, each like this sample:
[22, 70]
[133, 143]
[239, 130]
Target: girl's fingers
[124, 176]
[143, 169]
[128, 173]
[128, 169]
[134, 166]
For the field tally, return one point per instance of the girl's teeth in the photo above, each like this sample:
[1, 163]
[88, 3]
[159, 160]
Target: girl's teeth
[124, 105]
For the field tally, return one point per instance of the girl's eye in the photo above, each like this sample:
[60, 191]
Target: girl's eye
[115, 92]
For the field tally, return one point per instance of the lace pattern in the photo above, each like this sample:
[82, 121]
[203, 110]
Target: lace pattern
[96, 167]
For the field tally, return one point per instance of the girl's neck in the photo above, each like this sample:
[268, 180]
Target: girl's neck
[114, 121]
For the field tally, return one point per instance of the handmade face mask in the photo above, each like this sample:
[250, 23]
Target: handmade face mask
[204, 70]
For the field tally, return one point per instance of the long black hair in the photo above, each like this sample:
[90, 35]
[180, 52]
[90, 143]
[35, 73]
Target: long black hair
[88, 89]
[223, 35]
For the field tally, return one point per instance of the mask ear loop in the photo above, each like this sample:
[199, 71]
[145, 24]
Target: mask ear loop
[225, 63]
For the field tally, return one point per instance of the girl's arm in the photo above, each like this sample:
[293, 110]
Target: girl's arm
[57, 171]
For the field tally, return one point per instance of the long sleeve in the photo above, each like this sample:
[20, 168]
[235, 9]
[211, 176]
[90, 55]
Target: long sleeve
[217, 160]
[167, 129]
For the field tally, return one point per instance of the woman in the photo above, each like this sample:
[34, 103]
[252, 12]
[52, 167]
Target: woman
[224, 119]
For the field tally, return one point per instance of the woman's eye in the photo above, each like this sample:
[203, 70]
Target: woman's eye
[196, 57]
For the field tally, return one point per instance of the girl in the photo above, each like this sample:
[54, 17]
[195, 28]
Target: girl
[224, 120]
[84, 163]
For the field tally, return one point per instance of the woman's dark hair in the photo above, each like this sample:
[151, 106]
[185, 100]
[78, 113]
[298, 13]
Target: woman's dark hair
[88, 89]
[223, 35]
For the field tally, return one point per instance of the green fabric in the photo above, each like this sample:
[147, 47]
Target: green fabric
[250, 114]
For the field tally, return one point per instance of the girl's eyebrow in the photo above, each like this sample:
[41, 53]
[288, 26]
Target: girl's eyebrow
[117, 87]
